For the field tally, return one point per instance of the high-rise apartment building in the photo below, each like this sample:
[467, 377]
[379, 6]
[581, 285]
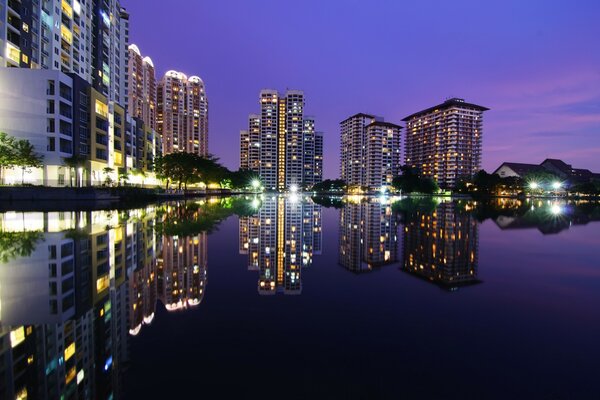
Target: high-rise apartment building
[444, 142]
[182, 114]
[280, 144]
[76, 54]
[370, 152]
[142, 87]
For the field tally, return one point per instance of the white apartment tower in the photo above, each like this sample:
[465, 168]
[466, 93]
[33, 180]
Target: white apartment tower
[370, 152]
[141, 84]
[182, 114]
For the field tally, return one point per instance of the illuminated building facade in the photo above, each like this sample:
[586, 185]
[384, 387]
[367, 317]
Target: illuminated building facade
[368, 235]
[280, 240]
[280, 144]
[141, 83]
[442, 246]
[67, 337]
[444, 142]
[73, 55]
[182, 114]
[181, 269]
[370, 152]
[48, 34]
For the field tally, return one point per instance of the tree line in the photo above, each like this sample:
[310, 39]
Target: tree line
[183, 169]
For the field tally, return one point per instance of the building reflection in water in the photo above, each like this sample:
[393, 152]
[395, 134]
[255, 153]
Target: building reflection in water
[367, 234]
[75, 285]
[441, 245]
[280, 240]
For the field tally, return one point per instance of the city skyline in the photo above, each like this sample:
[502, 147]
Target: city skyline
[537, 99]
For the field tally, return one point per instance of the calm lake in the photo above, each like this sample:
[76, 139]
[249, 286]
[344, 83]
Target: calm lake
[292, 297]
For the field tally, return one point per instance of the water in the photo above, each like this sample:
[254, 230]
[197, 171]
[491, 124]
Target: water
[286, 298]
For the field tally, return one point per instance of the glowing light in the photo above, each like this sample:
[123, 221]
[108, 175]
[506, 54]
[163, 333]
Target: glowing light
[255, 184]
[556, 185]
[383, 190]
[534, 185]
[294, 188]
[556, 209]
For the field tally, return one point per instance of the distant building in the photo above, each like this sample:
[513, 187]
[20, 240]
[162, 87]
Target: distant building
[370, 151]
[444, 142]
[182, 114]
[559, 168]
[281, 143]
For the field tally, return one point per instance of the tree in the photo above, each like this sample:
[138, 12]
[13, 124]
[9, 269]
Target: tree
[409, 182]
[7, 153]
[26, 157]
[123, 176]
[330, 185]
[107, 179]
[139, 172]
[74, 163]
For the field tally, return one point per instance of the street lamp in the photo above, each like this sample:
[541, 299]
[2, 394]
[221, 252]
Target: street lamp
[255, 184]
[556, 185]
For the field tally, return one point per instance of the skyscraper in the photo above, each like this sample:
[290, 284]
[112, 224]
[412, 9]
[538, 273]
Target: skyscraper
[182, 117]
[142, 87]
[444, 142]
[370, 152]
[280, 144]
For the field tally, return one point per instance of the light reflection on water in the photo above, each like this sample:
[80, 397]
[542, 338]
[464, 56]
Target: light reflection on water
[77, 287]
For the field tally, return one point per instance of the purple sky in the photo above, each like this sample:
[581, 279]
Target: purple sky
[535, 63]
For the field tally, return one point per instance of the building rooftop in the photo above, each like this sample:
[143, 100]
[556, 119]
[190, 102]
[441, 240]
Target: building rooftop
[359, 115]
[386, 124]
[454, 102]
[521, 168]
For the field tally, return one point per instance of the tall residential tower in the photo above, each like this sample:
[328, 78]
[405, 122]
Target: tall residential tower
[281, 144]
[444, 142]
[182, 118]
[370, 152]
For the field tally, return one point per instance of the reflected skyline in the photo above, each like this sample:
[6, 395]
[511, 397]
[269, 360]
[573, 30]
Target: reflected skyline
[280, 240]
[77, 287]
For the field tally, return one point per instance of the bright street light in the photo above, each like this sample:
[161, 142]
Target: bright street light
[534, 185]
[556, 185]
[294, 188]
[255, 183]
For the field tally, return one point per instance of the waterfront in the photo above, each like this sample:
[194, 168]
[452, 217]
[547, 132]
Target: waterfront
[282, 297]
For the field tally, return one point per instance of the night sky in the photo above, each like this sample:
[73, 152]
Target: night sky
[536, 64]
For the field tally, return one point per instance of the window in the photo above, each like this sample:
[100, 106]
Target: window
[50, 125]
[50, 107]
[52, 251]
[52, 270]
[66, 146]
[51, 144]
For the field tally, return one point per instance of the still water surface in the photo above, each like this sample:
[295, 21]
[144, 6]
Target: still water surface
[285, 297]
